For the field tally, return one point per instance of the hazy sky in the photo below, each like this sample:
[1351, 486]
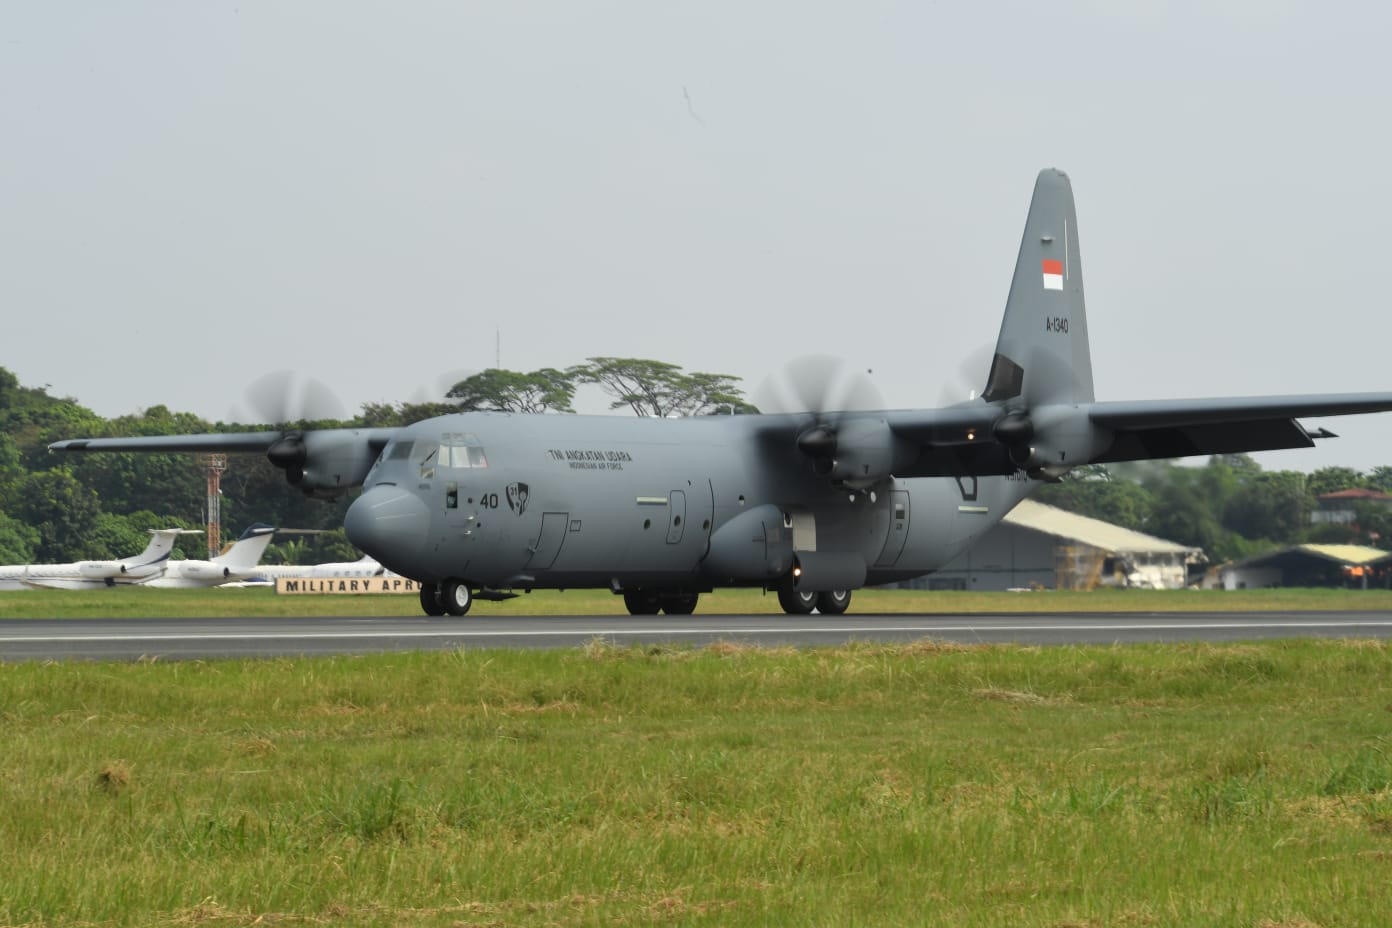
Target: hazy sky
[195, 194]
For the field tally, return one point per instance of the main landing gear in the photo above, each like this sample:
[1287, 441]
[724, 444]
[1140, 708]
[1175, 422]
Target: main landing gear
[799, 602]
[649, 602]
[452, 597]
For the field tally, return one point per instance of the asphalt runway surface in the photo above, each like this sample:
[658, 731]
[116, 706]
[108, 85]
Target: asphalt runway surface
[204, 639]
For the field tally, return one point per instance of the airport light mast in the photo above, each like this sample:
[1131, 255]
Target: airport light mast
[216, 464]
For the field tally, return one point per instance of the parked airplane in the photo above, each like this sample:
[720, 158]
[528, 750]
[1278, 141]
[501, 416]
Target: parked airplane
[238, 562]
[366, 566]
[82, 575]
[811, 505]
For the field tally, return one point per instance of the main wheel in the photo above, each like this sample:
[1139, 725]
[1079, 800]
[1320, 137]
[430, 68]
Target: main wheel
[680, 603]
[430, 599]
[642, 602]
[833, 602]
[795, 602]
[456, 597]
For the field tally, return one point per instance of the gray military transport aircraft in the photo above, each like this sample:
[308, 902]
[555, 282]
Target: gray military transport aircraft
[812, 505]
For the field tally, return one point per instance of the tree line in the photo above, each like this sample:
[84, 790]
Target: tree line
[1229, 506]
[74, 507]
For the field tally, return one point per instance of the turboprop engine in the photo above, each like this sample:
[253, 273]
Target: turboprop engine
[1048, 441]
[857, 453]
[326, 464]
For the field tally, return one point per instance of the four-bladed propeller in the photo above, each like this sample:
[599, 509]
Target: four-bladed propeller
[844, 440]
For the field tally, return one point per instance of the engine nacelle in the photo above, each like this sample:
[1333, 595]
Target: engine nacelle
[205, 570]
[753, 546]
[1061, 439]
[325, 464]
[858, 453]
[99, 570]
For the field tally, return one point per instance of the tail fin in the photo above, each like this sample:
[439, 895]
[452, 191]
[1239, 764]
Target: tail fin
[1042, 354]
[158, 550]
[246, 551]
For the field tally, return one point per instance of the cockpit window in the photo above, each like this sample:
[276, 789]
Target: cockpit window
[461, 449]
[398, 451]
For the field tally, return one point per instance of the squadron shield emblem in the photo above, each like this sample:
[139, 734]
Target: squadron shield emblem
[517, 497]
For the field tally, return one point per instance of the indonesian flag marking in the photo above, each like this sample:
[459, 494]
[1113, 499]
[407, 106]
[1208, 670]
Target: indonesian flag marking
[1053, 274]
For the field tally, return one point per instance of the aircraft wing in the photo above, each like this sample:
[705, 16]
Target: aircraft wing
[963, 439]
[323, 463]
[1144, 429]
[228, 442]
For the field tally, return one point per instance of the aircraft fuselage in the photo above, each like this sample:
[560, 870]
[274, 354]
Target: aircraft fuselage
[509, 501]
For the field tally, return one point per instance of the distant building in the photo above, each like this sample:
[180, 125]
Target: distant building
[1039, 546]
[1346, 566]
[1337, 508]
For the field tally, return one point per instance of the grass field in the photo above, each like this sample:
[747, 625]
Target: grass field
[1236, 785]
[143, 602]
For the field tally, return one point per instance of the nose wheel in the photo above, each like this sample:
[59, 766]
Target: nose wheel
[456, 596]
[453, 597]
[430, 599]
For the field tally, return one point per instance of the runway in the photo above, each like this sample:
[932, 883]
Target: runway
[204, 639]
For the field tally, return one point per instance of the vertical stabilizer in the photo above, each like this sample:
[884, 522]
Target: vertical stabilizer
[1042, 354]
[158, 550]
[246, 552]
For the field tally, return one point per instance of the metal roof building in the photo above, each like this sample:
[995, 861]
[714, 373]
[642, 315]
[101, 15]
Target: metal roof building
[1046, 547]
[1308, 565]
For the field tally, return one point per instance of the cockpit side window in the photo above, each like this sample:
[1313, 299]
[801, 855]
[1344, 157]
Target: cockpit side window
[427, 464]
[461, 449]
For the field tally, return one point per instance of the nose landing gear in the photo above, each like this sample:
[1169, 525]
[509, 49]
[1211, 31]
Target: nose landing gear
[452, 597]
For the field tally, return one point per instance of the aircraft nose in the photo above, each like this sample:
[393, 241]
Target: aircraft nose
[388, 523]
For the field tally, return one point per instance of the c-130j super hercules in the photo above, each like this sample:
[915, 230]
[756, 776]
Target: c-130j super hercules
[811, 505]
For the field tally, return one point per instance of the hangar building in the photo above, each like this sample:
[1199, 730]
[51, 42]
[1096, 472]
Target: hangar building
[1350, 566]
[1039, 546]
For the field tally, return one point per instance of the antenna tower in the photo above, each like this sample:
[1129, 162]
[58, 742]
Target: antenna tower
[215, 464]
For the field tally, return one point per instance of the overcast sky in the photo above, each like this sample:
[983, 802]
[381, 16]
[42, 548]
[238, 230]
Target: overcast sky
[195, 194]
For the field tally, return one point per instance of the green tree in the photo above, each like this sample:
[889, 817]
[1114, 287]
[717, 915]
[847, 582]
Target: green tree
[18, 541]
[1380, 479]
[512, 391]
[60, 509]
[1333, 479]
[1093, 491]
[289, 551]
[1274, 506]
[113, 537]
[1184, 512]
[389, 415]
[657, 388]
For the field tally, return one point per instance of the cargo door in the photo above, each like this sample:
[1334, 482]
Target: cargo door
[547, 545]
